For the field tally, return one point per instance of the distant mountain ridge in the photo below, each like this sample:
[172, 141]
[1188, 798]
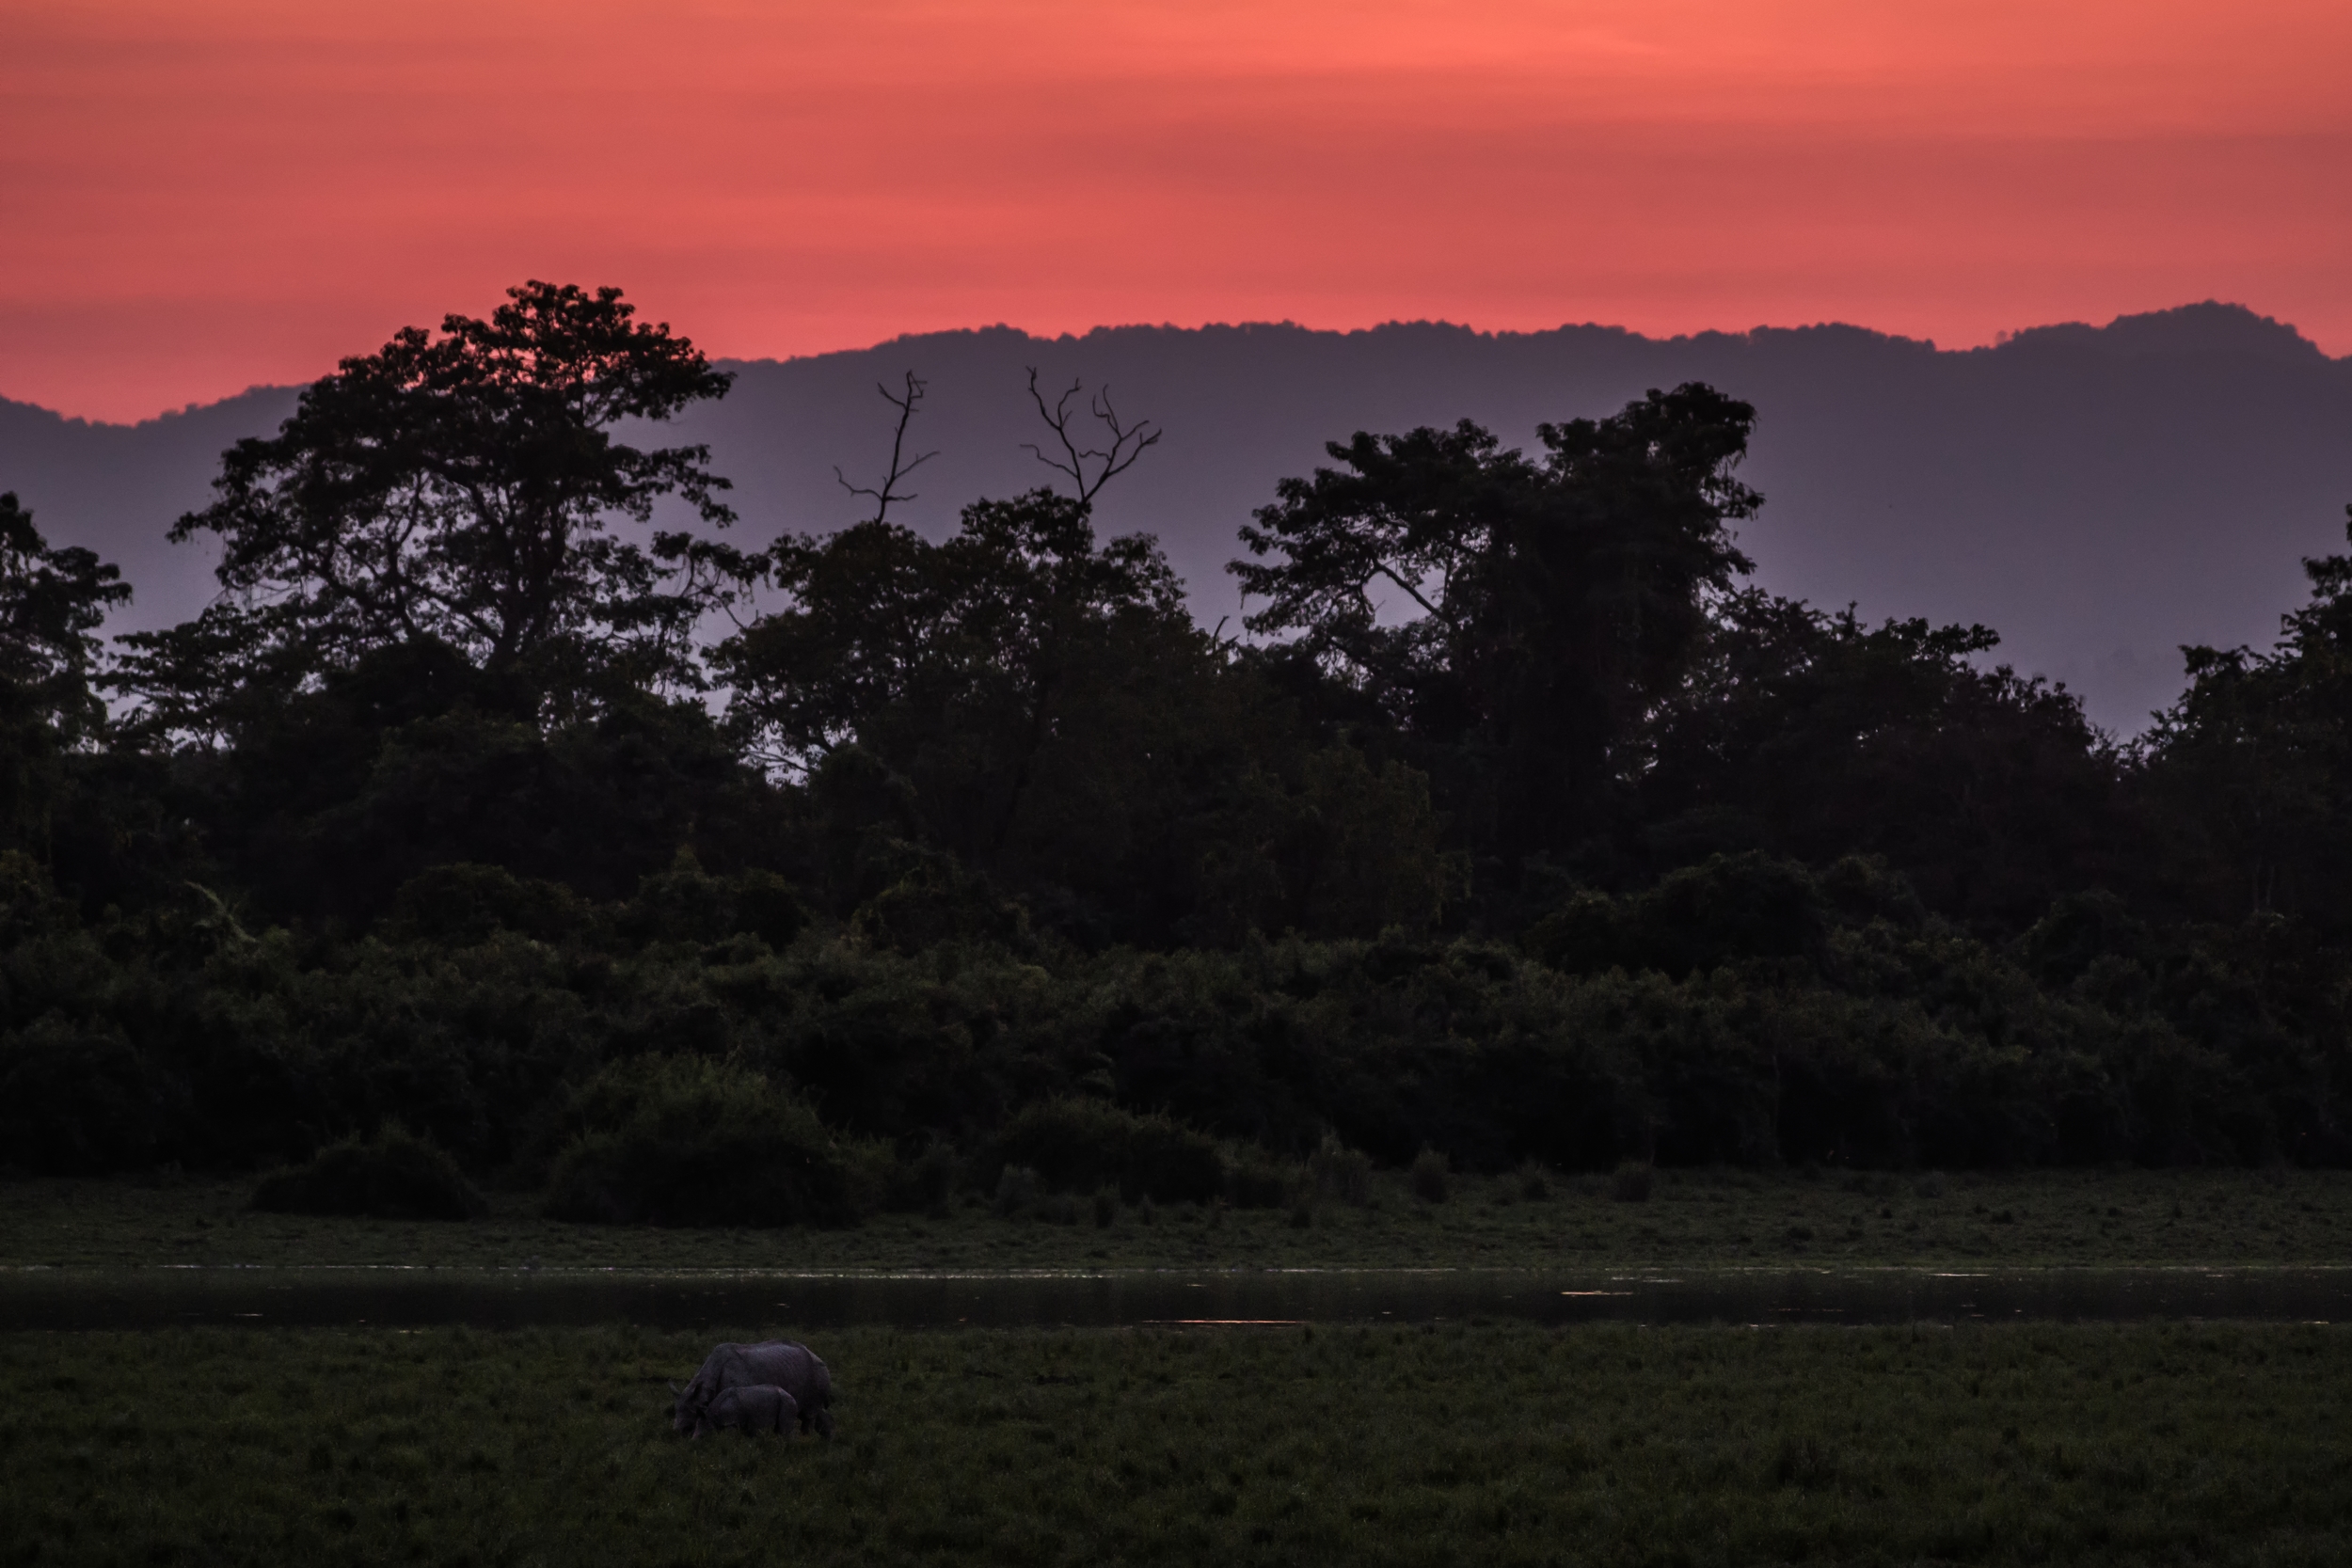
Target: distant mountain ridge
[2210, 327]
[2097, 494]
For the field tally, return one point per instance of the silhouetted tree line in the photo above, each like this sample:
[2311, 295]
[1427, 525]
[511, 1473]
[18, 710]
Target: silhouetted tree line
[608, 856]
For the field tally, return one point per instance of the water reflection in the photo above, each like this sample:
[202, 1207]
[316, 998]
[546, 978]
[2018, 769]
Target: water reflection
[142, 1298]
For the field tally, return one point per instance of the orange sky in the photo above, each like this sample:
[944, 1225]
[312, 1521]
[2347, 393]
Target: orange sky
[199, 195]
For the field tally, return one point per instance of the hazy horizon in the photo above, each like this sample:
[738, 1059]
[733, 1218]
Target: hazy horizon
[1999, 340]
[2096, 494]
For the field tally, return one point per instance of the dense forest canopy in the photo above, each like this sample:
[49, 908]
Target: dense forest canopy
[610, 858]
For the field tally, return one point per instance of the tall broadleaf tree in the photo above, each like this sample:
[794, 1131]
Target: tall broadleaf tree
[452, 624]
[1814, 735]
[1038, 704]
[52, 599]
[2256, 760]
[459, 487]
[956, 663]
[1515, 618]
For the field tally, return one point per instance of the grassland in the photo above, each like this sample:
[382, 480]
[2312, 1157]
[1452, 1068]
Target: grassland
[1691, 1218]
[1364, 1445]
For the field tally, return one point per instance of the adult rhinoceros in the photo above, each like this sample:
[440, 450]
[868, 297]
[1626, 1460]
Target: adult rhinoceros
[793, 1367]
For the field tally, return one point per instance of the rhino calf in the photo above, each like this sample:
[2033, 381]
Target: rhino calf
[794, 1367]
[757, 1407]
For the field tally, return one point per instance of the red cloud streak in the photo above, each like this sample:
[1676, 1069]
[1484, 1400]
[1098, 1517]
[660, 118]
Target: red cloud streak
[206, 194]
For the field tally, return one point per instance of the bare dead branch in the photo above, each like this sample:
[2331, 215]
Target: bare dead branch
[1128, 442]
[905, 403]
[1381, 568]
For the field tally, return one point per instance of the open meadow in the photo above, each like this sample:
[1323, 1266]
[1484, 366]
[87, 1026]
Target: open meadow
[1472, 1441]
[2213, 1444]
[1731, 1218]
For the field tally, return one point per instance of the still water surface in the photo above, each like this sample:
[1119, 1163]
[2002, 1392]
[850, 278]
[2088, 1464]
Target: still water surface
[510, 1298]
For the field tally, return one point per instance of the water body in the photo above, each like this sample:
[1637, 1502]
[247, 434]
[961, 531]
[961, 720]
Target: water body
[69, 1299]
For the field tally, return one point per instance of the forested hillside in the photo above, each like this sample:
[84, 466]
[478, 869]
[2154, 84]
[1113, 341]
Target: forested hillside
[689, 880]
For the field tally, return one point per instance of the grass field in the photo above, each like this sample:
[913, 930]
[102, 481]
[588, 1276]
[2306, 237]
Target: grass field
[1693, 1217]
[1365, 1446]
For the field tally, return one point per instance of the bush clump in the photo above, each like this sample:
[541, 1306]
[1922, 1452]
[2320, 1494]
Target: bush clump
[461, 904]
[684, 1141]
[1253, 1181]
[392, 1175]
[1339, 1171]
[1430, 1171]
[927, 1182]
[1079, 1146]
[77, 1099]
[1631, 1184]
[1017, 1192]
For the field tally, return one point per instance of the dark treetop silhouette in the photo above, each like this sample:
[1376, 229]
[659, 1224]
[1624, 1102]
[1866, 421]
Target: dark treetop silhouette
[456, 488]
[2100, 495]
[1526, 828]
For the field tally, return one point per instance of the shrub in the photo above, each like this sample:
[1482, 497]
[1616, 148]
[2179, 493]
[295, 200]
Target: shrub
[939, 900]
[927, 1182]
[1017, 1190]
[1429, 1174]
[1257, 1184]
[392, 1175]
[29, 905]
[1631, 1184]
[77, 1099]
[682, 1141]
[767, 907]
[1339, 1171]
[1534, 1183]
[687, 904]
[1081, 1145]
[461, 904]
[1732, 906]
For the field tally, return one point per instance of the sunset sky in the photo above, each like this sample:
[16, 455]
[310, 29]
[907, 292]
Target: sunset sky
[199, 195]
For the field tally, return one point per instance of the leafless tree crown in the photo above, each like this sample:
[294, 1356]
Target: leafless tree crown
[1089, 467]
[900, 467]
